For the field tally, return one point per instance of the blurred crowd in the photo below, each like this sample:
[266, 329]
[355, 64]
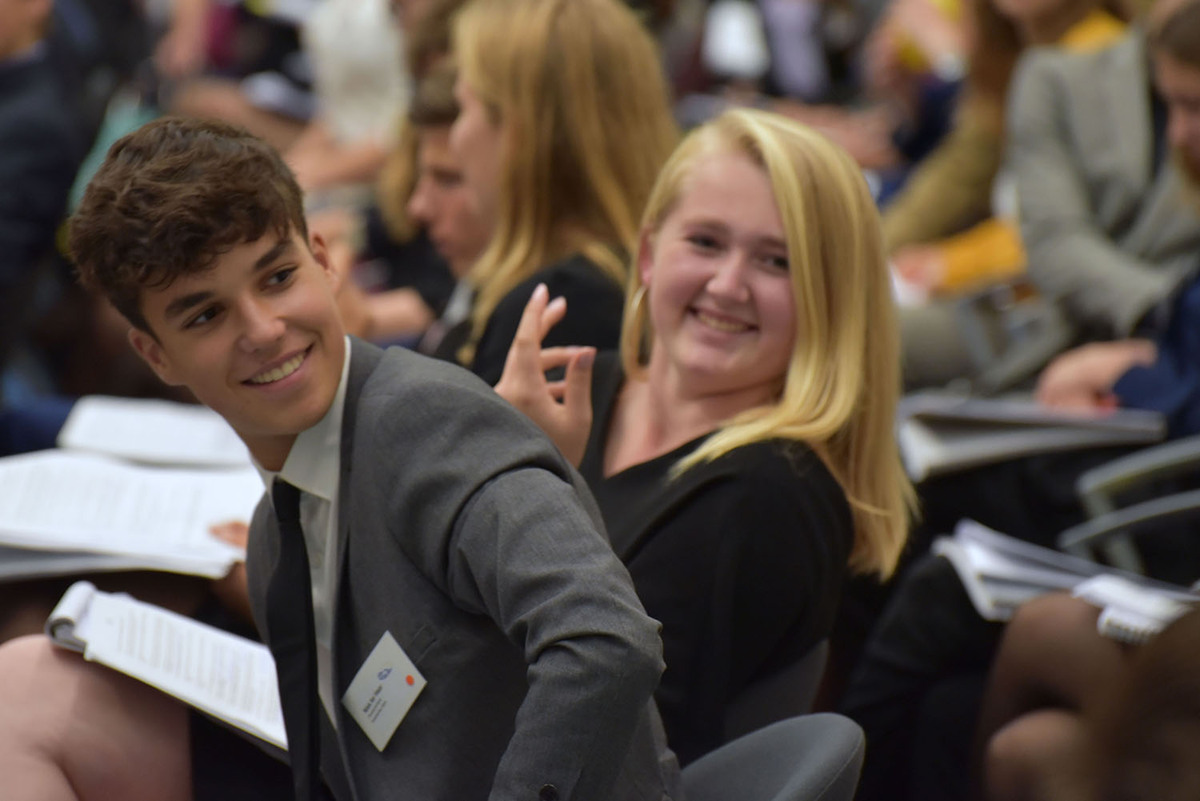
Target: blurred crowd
[1035, 165]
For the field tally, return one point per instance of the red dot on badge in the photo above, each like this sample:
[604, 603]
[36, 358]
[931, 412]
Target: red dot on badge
[410, 680]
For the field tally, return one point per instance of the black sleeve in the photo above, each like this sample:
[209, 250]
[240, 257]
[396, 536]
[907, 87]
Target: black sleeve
[594, 306]
[36, 170]
[414, 263]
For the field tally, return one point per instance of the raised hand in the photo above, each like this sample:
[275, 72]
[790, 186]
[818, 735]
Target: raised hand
[563, 409]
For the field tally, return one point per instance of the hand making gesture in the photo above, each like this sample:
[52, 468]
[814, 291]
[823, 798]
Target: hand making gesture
[562, 408]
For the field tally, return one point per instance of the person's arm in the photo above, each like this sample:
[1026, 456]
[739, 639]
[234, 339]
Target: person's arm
[524, 552]
[1070, 258]
[1083, 378]
[181, 50]
[985, 253]
[951, 188]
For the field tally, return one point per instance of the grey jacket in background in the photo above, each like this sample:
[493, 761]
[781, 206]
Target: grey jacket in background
[1107, 238]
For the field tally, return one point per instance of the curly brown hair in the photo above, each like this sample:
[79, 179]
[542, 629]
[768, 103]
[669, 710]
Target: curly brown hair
[172, 197]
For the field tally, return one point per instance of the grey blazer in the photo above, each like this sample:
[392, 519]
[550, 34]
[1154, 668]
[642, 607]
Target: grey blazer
[1107, 238]
[465, 534]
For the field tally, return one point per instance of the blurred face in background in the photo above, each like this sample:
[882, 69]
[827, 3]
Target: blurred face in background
[477, 142]
[443, 203]
[407, 12]
[1179, 85]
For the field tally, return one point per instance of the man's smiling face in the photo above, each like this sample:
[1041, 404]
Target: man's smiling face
[256, 337]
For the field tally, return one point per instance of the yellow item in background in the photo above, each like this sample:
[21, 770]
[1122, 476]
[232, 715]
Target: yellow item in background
[909, 53]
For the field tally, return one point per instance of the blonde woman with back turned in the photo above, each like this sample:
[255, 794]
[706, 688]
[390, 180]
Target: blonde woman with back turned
[565, 122]
[741, 447]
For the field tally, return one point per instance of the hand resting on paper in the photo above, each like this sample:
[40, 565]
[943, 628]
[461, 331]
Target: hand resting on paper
[563, 409]
[1083, 378]
[232, 590]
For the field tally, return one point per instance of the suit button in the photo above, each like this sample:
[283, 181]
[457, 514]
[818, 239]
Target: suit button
[548, 793]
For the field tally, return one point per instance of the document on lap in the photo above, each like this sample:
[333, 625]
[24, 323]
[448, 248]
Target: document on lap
[941, 433]
[1000, 573]
[152, 431]
[70, 502]
[228, 677]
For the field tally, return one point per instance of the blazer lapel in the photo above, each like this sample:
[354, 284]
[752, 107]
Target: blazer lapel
[364, 358]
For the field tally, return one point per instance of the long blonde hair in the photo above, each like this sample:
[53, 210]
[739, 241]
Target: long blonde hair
[578, 84]
[843, 380]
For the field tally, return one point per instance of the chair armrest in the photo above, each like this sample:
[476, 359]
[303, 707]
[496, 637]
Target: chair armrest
[1097, 486]
[788, 692]
[1098, 532]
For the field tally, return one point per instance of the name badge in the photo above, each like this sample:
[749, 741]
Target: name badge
[383, 691]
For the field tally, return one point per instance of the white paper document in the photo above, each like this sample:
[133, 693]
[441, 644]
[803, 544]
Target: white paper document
[1000, 573]
[152, 431]
[69, 501]
[226, 676]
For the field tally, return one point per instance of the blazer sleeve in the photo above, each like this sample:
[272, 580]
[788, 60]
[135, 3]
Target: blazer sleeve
[524, 552]
[952, 187]
[1071, 259]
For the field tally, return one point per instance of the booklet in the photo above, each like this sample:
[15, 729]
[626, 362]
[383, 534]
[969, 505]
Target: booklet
[1133, 612]
[68, 503]
[1000, 573]
[221, 674]
[153, 432]
[942, 433]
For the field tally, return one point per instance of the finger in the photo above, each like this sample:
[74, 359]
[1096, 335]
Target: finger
[234, 532]
[552, 316]
[553, 358]
[521, 362]
[529, 328]
[578, 392]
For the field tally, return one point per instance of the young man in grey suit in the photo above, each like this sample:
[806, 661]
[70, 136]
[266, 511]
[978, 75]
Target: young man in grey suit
[468, 633]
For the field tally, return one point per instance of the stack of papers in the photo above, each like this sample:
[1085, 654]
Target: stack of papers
[134, 485]
[1000, 573]
[941, 433]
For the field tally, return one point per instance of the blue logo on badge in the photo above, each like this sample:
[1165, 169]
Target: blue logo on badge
[383, 674]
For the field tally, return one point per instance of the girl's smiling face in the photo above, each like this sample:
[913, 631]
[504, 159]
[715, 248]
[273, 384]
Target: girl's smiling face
[718, 283]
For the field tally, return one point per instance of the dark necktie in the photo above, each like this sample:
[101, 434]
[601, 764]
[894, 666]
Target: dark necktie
[293, 642]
